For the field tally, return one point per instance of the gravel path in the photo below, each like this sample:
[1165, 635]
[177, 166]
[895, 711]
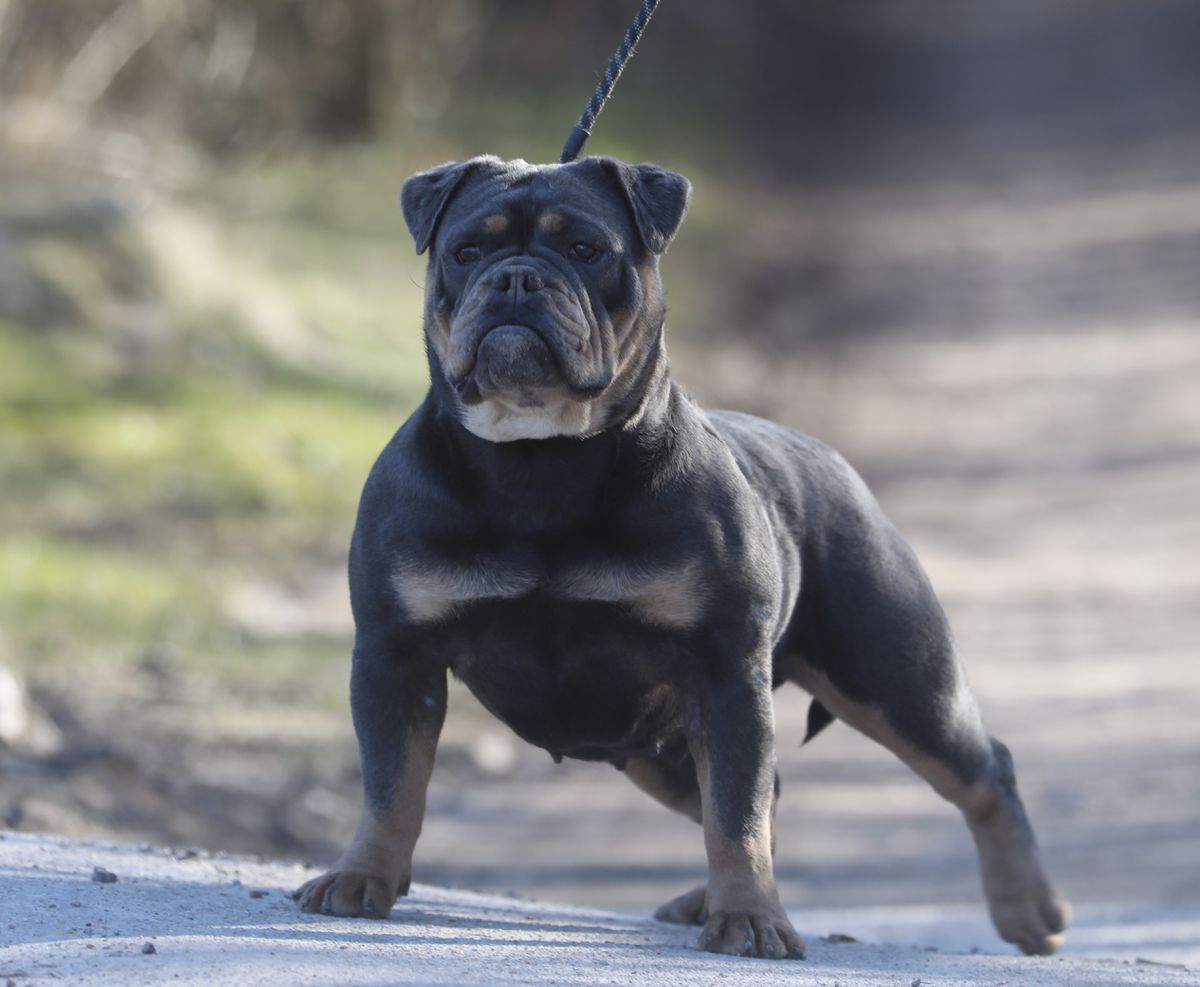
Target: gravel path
[186, 918]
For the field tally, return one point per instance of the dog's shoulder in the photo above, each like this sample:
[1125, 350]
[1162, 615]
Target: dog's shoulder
[412, 476]
[805, 478]
[770, 453]
[412, 492]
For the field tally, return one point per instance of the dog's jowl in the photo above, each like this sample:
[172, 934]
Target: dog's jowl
[621, 576]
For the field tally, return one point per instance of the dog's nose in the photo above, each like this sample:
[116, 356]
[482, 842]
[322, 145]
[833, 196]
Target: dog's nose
[518, 280]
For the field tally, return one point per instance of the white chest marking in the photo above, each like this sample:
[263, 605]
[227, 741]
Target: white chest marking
[501, 421]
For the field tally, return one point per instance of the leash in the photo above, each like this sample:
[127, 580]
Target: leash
[616, 65]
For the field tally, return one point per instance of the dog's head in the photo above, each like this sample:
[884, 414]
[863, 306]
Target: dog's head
[543, 300]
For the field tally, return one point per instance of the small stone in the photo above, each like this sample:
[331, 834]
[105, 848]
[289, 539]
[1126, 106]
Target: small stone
[917, 982]
[258, 894]
[838, 937]
[148, 948]
[102, 875]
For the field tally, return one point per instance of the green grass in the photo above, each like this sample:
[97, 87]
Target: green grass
[202, 415]
[71, 602]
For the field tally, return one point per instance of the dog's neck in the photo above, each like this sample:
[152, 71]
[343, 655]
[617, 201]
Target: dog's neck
[561, 481]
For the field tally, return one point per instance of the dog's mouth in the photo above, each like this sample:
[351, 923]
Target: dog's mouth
[508, 358]
[516, 359]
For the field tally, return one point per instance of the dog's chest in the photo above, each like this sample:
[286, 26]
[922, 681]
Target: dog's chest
[661, 592]
[580, 653]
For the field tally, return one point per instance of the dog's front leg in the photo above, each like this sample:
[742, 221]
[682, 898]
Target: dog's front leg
[398, 706]
[733, 742]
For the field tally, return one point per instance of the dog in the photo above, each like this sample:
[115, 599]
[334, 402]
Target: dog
[620, 576]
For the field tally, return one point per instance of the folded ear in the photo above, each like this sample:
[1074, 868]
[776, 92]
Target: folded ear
[424, 197]
[658, 197]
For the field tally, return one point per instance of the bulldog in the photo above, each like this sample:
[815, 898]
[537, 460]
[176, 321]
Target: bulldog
[621, 576]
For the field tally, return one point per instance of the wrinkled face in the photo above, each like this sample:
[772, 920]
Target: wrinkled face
[542, 297]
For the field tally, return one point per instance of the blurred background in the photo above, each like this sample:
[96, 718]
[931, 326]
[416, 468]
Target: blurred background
[958, 240]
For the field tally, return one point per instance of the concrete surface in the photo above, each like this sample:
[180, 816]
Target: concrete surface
[220, 919]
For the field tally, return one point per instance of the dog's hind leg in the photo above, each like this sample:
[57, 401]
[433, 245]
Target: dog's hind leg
[975, 773]
[879, 656]
[673, 782]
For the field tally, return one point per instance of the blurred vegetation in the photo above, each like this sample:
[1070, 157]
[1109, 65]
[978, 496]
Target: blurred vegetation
[189, 398]
[209, 313]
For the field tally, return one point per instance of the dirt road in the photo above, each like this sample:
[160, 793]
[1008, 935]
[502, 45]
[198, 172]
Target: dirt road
[228, 920]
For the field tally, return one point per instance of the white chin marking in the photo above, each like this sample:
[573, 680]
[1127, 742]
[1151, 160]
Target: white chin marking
[497, 421]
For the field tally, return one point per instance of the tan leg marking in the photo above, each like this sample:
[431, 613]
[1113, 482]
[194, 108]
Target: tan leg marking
[377, 866]
[745, 915]
[1024, 906]
[690, 908]
[870, 720]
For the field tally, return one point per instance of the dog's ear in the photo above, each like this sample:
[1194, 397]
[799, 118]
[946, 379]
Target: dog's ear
[658, 197]
[424, 197]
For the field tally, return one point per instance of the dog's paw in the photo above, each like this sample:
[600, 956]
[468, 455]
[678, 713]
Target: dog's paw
[748, 934]
[1033, 918]
[346, 893]
[688, 909]
[1025, 908]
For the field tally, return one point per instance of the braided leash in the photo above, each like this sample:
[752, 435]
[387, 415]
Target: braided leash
[616, 65]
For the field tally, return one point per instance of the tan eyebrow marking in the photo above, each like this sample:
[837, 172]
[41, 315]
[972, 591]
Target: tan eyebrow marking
[552, 222]
[497, 222]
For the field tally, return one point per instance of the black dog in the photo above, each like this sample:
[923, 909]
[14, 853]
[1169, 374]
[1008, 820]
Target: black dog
[620, 576]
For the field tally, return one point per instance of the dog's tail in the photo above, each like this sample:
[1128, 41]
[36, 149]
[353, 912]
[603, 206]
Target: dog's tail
[818, 719]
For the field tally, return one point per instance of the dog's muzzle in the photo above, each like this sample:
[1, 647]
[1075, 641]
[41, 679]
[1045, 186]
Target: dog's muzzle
[522, 332]
[513, 357]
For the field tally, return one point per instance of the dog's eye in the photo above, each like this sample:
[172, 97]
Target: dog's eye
[468, 254]
[584, 252]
